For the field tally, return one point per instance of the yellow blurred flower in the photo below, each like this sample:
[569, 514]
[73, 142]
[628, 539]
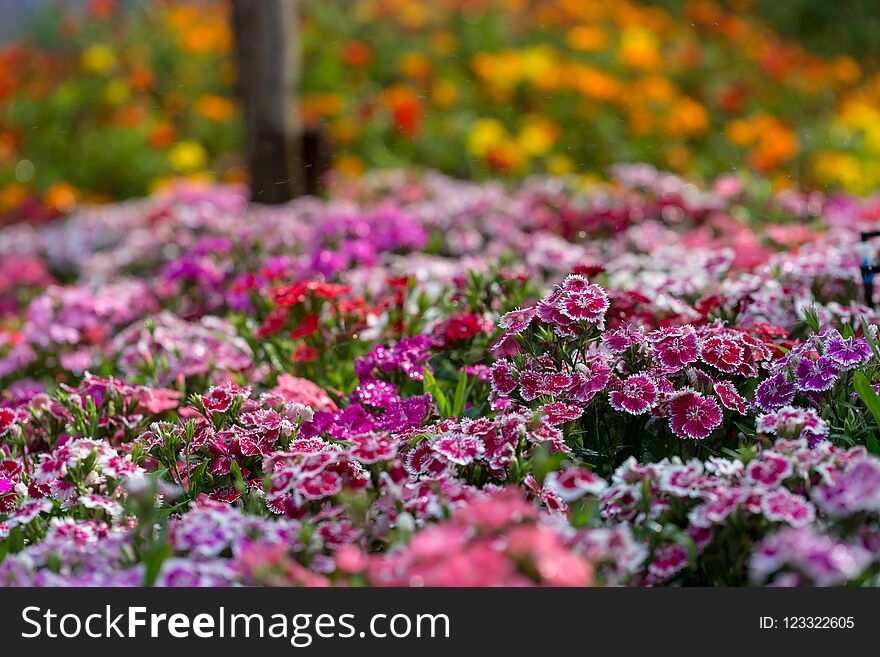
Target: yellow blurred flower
[321, 105]
[117, 91]
[560, 164]
[98, 59]
[486, 133]
[656, 88]
[187, 156]
[741, 132]
[537, 136]
[639, 48]
[414, 14]
[537, 62]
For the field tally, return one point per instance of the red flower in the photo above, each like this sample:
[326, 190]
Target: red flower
[274, 322]
[327, 290]
[721, 352]
[304, 353]
[588, 270]
[7, 418]
[289, 295]
[307, 326]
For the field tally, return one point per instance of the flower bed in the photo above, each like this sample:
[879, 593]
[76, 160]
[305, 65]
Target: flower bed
[424, 381]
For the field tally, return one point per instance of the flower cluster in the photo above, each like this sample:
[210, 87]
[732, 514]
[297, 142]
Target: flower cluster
[701, 408]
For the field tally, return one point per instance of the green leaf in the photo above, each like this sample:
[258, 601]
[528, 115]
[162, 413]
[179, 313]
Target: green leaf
[236, 475]
[812, 319]
[460, 397]
[871, 341]
[431, 386]
[872, 401]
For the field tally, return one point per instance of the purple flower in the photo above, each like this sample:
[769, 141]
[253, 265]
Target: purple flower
[774, 393]
[380, 394]
[816, 375]
[824, 560]
[854, 490]
[849, 353]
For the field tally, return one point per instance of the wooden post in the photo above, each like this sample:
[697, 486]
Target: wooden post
[269, 60]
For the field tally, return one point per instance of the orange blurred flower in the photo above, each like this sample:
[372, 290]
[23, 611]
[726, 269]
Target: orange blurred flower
[358, 54]
[101, 8]
[216, 108]
[406, 109]
[162, 136]
[141, 78]
[61, 197]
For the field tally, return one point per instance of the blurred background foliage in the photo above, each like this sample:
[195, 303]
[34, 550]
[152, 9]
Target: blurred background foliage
[102, 99]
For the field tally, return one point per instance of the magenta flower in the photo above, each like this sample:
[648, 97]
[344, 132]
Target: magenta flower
[576, 283]
[517, 321]
[793, 422]
[501, 377]
[770, 470]
[675, 347]
[547, 309]
[373, 447]
[816, 375]
[716, 510]
[324, 484]
[558, 413]
[572, 483]
[587, 379]
[691, 415]
[588, 305]
[619, 340]
[531, 385]
[783, 506]
[459, 448]
[637, 394]
[218, 400]
[668, 561]
[729, 397]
